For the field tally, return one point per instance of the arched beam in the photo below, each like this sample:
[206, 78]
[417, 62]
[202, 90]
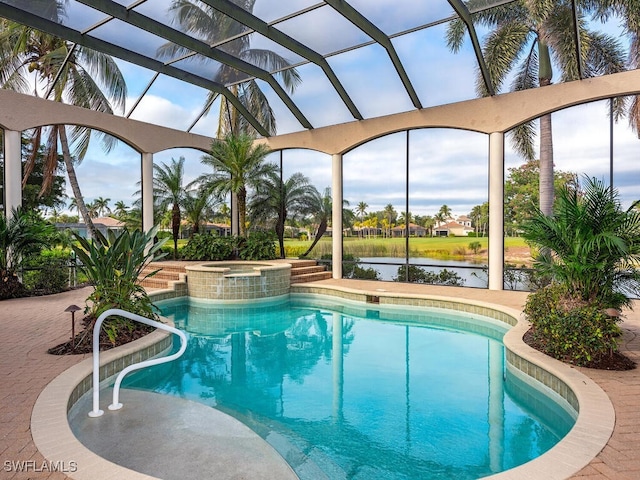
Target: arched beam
[485, 115]
[21, 112]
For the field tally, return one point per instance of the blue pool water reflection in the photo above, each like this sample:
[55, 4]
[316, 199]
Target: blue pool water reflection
[361, 392]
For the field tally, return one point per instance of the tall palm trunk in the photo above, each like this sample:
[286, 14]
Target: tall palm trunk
[175, 228]
[546, 165]
[545, 74]
[242, 212]
[282, 218]
[322, 228]
[73, 181]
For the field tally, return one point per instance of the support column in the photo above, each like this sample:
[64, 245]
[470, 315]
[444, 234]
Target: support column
[336, 216]
[496, 211]
[12, 171]
[147, 191]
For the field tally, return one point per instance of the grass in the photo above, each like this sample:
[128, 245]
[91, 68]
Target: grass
[429, 247]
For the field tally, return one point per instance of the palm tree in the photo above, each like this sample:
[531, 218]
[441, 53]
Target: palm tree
[121, 209]
[275, 201]
[101, 206]
[73, 205]
[361, 210]
[209, 25]
[169, 193]
[628, 13]
[197, 206]
[526, 38]
[429, 222]
[445, 211]
[70, 73]
[390, 215]
[223, 214]
[237, 165]
[320, 207]
[590, 244]
[92, 209]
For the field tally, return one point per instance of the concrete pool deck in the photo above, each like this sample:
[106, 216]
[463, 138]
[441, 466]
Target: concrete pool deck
[29, 326]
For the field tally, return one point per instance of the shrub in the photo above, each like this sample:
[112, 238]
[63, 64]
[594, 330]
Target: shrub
[589, 244]
[208, 247]
[365, 273]
[257, 246]
[569, 328]
[48, 272]
[420, 275]
[475, 247]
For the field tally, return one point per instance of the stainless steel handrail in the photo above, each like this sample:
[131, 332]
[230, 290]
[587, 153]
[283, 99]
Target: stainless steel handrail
[96, 412]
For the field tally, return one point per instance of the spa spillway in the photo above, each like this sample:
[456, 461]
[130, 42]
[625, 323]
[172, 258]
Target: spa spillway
[238, 280]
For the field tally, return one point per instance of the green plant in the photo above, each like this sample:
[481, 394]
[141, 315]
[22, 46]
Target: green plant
[257, 246]
[350, 267]
[114, 265]
[47, 272]
[475, 247]
[589, 244]
[23, 234]
[420, 275]
[568, 328]
[365, 273]
[208, 247]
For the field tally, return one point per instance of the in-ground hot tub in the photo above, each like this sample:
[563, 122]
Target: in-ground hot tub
[238, 280]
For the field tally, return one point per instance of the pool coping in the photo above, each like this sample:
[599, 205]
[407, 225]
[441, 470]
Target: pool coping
[53, 437]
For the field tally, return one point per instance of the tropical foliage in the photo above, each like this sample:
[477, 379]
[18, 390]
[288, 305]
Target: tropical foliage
[169, 192]
[415, 274]
[238, 165]
[67, 73]
[275, 202]
[590, 250]
[23, 233]
[209, 247]
[590, 244]
[528, 40]
[114, 265]
[209, 25]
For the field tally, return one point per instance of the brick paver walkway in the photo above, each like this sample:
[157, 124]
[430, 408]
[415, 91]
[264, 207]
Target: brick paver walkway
[29, 326]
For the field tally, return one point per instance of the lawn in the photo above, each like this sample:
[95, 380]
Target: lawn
[431, 247]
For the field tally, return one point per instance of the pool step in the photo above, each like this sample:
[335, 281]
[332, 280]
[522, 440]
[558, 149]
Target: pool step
[308, 271]
[302, 271]
[170, 271]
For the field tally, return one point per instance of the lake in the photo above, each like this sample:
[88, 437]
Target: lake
[472, 273]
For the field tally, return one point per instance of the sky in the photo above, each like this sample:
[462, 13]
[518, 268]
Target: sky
[447, 166]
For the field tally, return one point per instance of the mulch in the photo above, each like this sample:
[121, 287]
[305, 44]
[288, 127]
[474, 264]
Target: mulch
[616, 361]
[83, 341]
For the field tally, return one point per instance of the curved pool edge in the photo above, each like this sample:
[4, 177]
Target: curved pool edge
[596, 418]
[52, 434]
[593, 428]
[50, 428]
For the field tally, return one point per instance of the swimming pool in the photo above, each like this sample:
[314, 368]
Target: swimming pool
[362, 391]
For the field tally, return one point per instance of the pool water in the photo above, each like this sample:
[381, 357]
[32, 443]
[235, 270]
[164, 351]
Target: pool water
[347, 391]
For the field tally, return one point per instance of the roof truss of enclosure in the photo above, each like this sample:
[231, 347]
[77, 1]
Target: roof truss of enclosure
[401, 42]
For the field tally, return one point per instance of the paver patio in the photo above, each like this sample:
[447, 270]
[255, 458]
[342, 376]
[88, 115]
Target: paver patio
[29, 326]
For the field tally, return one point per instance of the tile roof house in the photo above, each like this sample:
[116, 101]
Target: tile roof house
[453, 228]
[102, 224]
